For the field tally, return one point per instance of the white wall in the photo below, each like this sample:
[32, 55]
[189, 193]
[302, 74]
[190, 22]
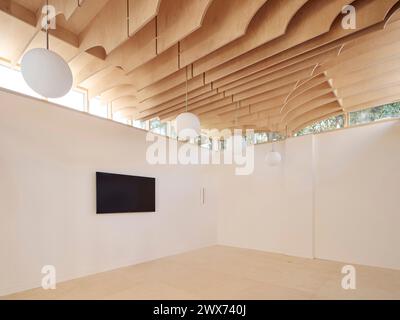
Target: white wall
[271, 209]
[335, 197]
[358, 195]
[48, 159]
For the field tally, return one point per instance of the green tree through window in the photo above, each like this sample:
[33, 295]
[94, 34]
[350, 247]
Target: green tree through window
[324, 125]
[386, 111]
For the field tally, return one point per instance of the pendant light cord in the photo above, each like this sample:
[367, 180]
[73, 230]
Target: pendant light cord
[270, 133]
[186, 83]
[47, 25]
[236, 113]
[128, 14]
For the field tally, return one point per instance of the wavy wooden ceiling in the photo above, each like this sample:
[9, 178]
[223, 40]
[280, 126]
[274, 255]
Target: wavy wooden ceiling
[270, 65]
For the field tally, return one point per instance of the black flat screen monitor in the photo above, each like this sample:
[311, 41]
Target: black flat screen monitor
[117, 193]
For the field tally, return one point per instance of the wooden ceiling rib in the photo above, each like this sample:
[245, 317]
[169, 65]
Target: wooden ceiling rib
[177, 19]
[117, 92]
[140, 13]
[143, 44]
[218, 30]
[312, 20]
[82, 16]
[261, 64]
[19, 34]
[270, 22]
[108, 29]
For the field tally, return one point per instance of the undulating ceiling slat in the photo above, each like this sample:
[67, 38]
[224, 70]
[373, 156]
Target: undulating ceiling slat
[261, 64]
[124, 102]
[82, 16]
[63, 48]
[166, 63]
[177, 19]
[270, 22]
[117, 92]
[116, 77]
[218, 30]
[14, 41]
[173, 80]
[85, 66]
[137, 50]
[312, 20]
[141, 12]
[108, 29]
[65, 7]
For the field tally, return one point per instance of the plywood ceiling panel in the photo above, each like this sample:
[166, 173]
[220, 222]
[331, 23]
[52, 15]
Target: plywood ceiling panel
[261, 64]
[179, 18]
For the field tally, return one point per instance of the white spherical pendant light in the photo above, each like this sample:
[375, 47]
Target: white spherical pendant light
[46, 73]
[273, 158]
[187, 125]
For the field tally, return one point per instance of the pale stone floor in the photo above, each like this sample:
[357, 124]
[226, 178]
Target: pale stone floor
[227, 273]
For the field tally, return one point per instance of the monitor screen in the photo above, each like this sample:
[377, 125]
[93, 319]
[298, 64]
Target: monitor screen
[117, 193]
